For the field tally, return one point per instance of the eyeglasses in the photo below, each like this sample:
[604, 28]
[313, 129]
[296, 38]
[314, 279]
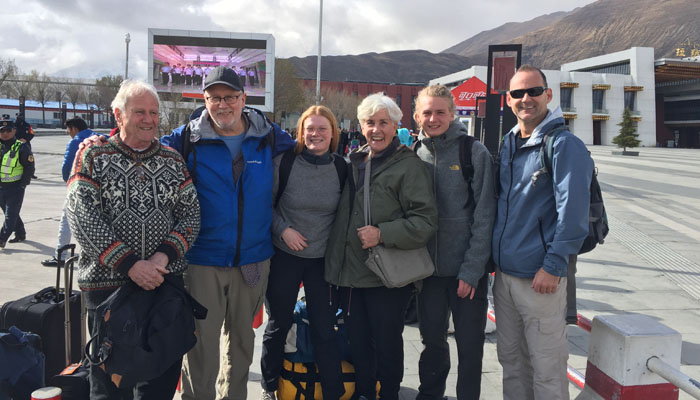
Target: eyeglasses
[532, 92]
[226, 99]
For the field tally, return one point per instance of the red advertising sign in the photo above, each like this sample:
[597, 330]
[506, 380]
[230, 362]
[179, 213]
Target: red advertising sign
[465, 95]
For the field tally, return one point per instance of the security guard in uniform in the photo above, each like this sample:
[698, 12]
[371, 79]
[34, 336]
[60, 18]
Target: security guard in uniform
[16, 170]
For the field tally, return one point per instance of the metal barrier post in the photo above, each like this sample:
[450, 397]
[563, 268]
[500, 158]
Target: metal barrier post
[673, 375]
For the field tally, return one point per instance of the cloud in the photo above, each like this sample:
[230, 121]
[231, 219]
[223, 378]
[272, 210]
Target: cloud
[85, 38]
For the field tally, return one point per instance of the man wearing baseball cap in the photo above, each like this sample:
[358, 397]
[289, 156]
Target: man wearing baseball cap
[229, 150]
[16, 173]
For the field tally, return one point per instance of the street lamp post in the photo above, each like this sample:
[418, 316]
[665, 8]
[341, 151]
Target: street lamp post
[127, 39]
[318, 63]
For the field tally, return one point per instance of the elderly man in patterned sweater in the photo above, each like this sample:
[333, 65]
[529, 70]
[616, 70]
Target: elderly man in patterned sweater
[134, 210]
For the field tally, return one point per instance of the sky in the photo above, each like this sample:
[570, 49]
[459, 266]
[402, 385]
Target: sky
[85, 38]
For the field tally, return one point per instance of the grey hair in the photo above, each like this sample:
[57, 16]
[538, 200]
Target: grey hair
[130, 88]
[374, 103]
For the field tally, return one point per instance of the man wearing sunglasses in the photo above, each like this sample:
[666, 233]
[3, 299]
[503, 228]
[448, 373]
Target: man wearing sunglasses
[540, 224]
[228, 150]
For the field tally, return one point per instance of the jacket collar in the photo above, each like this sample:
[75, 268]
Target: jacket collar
[453, 132]
[553, 119]
[258, 125]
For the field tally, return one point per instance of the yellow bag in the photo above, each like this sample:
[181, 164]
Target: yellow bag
[300, 381]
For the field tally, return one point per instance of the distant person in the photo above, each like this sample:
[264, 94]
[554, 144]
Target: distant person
[189, 73]
[405, 137]
[252, 78]
[165, 73]
[134, 211]
[541, 223]
[343, 142]
[177, 75]
[78, 130]
[460, 249]
[15, 174]
[242, 76]
[198, 76]
[24, 133]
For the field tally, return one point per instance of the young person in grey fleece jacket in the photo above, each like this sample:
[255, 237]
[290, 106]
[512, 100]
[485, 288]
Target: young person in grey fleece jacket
[301, 225]
[460, 249]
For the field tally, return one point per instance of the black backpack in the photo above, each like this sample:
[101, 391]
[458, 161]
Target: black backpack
[597, 218]
[466, 143]
[341, 167]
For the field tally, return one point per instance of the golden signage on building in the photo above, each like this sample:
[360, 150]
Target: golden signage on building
[687, 48]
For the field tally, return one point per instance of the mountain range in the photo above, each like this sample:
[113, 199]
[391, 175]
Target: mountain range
[550, 40]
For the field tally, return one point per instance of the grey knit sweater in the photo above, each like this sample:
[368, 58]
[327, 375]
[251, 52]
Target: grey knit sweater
[308, 204]
[462, 245]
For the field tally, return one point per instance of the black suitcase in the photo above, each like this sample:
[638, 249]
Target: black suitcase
[43, 313]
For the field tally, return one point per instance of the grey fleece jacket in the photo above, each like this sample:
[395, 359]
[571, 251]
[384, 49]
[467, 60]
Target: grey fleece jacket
[462, 245]
[308, 204]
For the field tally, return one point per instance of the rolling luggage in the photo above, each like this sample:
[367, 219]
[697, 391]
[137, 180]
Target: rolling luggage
[43, 313]
[73, 380]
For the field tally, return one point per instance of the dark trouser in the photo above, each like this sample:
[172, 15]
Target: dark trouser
[164, 78]
[374, 322]
[571, 311]
[102, 388]
[436, 299]
[286, 274]
[11, 198]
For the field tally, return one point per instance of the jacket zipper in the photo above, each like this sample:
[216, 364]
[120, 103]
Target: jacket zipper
[544, 243]
[435, 157]
[510, 187]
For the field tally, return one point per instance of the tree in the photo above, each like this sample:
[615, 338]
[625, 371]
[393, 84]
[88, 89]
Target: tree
[174, 112]
[289, 94]
[7, 70]
[343, 104]
[75, 94]
[42, 91]
[105, 90]
[21, 87]
[628, 132]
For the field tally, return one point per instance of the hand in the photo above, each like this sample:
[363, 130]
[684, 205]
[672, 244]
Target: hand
[94, 140]
[294, 240]
[147, 274]
[544, 282]
[23, 140]
[465, 290]
[160, 259]
[369, 236]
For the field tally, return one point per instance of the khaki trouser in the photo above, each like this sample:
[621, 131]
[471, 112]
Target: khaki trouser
[231, 306]
[532, 342]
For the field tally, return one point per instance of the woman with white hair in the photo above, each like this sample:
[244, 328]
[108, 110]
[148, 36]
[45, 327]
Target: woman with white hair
[403, 215]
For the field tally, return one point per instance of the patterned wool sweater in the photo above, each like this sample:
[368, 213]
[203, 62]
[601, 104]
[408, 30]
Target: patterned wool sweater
[125, 205]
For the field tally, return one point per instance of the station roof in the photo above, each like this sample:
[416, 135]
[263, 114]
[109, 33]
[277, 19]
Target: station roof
[667, 69]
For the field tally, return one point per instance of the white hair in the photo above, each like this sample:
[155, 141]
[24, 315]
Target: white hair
[374, 103]
[130, 88]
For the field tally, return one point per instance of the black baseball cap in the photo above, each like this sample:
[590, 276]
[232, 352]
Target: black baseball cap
[225, 76]
[7, 124]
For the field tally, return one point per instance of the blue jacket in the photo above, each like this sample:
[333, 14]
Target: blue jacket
[71, 149]
[236, 214]
[540, 225]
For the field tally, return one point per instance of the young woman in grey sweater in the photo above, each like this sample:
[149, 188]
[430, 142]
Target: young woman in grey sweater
[303, 215]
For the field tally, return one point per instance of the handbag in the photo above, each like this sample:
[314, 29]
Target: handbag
[395, 267]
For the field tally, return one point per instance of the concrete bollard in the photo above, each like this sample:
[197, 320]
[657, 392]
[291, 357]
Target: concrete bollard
[617, 359]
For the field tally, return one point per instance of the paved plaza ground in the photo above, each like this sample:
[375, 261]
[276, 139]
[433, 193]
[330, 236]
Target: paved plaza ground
[649, 264]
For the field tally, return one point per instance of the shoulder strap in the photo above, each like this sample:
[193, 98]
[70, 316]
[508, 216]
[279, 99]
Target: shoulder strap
[341, 167]
[466, 143]
[414, 146]
[188, 147]
[547, 148]
[285, 170]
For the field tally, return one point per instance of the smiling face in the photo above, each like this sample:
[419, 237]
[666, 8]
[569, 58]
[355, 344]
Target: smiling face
[317, 134]
[433, 115]
[379, 129]
[226, 118]
[138, 123]
[530, 111]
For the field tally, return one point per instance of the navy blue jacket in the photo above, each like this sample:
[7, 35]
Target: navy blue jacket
[236, 215]
[541, 224]
[71, 149]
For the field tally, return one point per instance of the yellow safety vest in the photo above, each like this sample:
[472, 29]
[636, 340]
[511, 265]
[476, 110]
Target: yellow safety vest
[11, 170]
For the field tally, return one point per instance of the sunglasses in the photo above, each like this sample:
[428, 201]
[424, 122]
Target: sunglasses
[532, 92]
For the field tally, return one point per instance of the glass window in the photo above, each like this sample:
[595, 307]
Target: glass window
[565, 99]
[629, 100]
[598, 96]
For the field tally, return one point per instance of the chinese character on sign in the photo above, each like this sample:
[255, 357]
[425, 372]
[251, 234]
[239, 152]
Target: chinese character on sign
[695, 53]
[680, 52]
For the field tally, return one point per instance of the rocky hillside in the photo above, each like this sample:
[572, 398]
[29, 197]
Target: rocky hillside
[607, 26]
[414, 66]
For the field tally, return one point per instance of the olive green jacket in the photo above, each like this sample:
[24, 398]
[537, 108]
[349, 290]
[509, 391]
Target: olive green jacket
[403, 208]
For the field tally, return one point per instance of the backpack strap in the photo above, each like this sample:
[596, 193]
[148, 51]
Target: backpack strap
[547, 152]
[341, 167]
[466, 143]
[285, 170]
